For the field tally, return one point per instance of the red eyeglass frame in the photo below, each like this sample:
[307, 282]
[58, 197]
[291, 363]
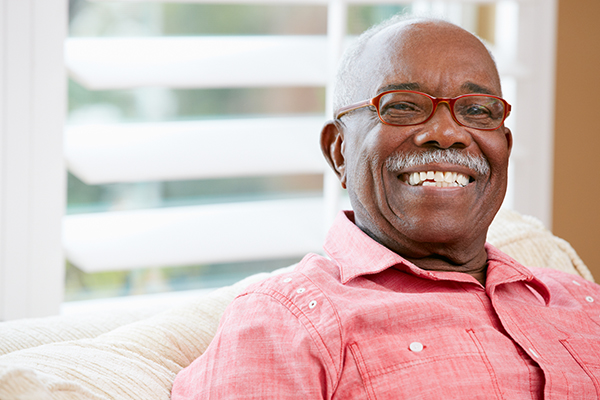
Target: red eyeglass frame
[374, 102]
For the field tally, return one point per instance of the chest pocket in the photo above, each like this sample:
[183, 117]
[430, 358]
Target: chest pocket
[429, 365]
[587, 354]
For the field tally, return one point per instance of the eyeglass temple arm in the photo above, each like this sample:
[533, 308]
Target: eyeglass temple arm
[345, 110]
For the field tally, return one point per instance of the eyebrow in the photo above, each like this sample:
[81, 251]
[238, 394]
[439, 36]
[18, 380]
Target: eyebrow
[475, 88]
[400, 86]
[467, 86]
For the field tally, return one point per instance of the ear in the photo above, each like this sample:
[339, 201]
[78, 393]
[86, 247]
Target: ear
[332, 146]
[509, 139]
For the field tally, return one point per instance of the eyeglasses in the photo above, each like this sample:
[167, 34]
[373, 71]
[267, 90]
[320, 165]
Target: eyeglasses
[407, 107]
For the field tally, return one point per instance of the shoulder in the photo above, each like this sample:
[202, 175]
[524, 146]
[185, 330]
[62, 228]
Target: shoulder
[281, 332]
[564, 286]
[314, 272]
[303, 291]
[569, 281]
[301, 297]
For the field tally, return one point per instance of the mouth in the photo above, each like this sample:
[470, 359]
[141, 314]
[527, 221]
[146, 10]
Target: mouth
[436, 179]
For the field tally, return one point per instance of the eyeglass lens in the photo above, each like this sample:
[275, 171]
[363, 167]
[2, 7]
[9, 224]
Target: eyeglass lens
[480, 112]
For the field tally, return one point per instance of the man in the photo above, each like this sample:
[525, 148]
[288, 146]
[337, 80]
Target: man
[411, 303]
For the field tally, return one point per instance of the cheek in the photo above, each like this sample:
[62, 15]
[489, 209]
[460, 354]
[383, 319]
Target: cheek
[361, 144]
[498, 152]
[368, 145]
[496, 149]
[493, 144]
[360, 182]
[360, 172]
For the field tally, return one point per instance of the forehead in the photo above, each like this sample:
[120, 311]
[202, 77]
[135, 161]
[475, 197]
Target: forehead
[434, 57]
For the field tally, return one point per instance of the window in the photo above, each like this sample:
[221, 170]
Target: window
[191, 138]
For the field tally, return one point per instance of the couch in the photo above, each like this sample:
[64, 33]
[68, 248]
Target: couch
[136, 355]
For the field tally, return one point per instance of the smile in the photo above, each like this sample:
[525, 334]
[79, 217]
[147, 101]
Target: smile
[436, 178]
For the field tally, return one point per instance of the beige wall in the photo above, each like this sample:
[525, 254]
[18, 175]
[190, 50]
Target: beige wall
[576, 214]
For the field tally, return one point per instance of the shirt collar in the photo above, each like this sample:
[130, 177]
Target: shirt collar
[357, 254]
[354, 251]
[504, 269]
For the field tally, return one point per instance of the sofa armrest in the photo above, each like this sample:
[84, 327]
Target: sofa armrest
[135, 361]
[32, 332]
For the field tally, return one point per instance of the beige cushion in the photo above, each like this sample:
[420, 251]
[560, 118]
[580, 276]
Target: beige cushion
[527, 240]
[23, 334]
[136, 361]
[139, 360]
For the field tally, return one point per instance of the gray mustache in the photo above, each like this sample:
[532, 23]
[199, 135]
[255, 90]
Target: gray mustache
[402, 161]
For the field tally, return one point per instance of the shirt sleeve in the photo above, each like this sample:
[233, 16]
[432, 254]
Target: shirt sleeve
[261, 351]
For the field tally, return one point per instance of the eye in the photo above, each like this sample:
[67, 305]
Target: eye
[476, 110]
[404, 108]
[400, 107]
[479, 107]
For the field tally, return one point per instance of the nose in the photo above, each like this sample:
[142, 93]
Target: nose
[442, 131]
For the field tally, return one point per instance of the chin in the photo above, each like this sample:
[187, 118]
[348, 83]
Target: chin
[444, 229]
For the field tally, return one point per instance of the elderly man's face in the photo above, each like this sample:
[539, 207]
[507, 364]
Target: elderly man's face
[417, 221]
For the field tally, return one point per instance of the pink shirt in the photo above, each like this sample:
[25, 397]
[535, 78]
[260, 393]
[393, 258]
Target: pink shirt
[367, 324]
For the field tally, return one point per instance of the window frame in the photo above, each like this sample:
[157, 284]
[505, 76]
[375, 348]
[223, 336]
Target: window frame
[32, 173]
[32, 116]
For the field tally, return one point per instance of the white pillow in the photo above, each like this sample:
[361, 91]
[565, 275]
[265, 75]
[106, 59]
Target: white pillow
[136, 361]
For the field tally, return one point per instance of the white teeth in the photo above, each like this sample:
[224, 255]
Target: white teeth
[438, 178]
[414, 178]
[462, 180]
[448, 177]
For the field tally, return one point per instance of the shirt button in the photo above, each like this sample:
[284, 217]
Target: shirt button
[312, 304]
[415, 347]
[301, 290]
[577, 283]
[534, 353]
[286, 280]
[589, 299]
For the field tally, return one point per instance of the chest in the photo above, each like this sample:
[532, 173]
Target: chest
[455, 343]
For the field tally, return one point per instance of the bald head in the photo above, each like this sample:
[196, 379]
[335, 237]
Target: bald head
[381, 49]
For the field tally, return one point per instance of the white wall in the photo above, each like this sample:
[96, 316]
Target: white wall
[32, 174]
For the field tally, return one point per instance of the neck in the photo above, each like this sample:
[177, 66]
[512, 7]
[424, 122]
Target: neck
[452, 256]
[476, 266]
